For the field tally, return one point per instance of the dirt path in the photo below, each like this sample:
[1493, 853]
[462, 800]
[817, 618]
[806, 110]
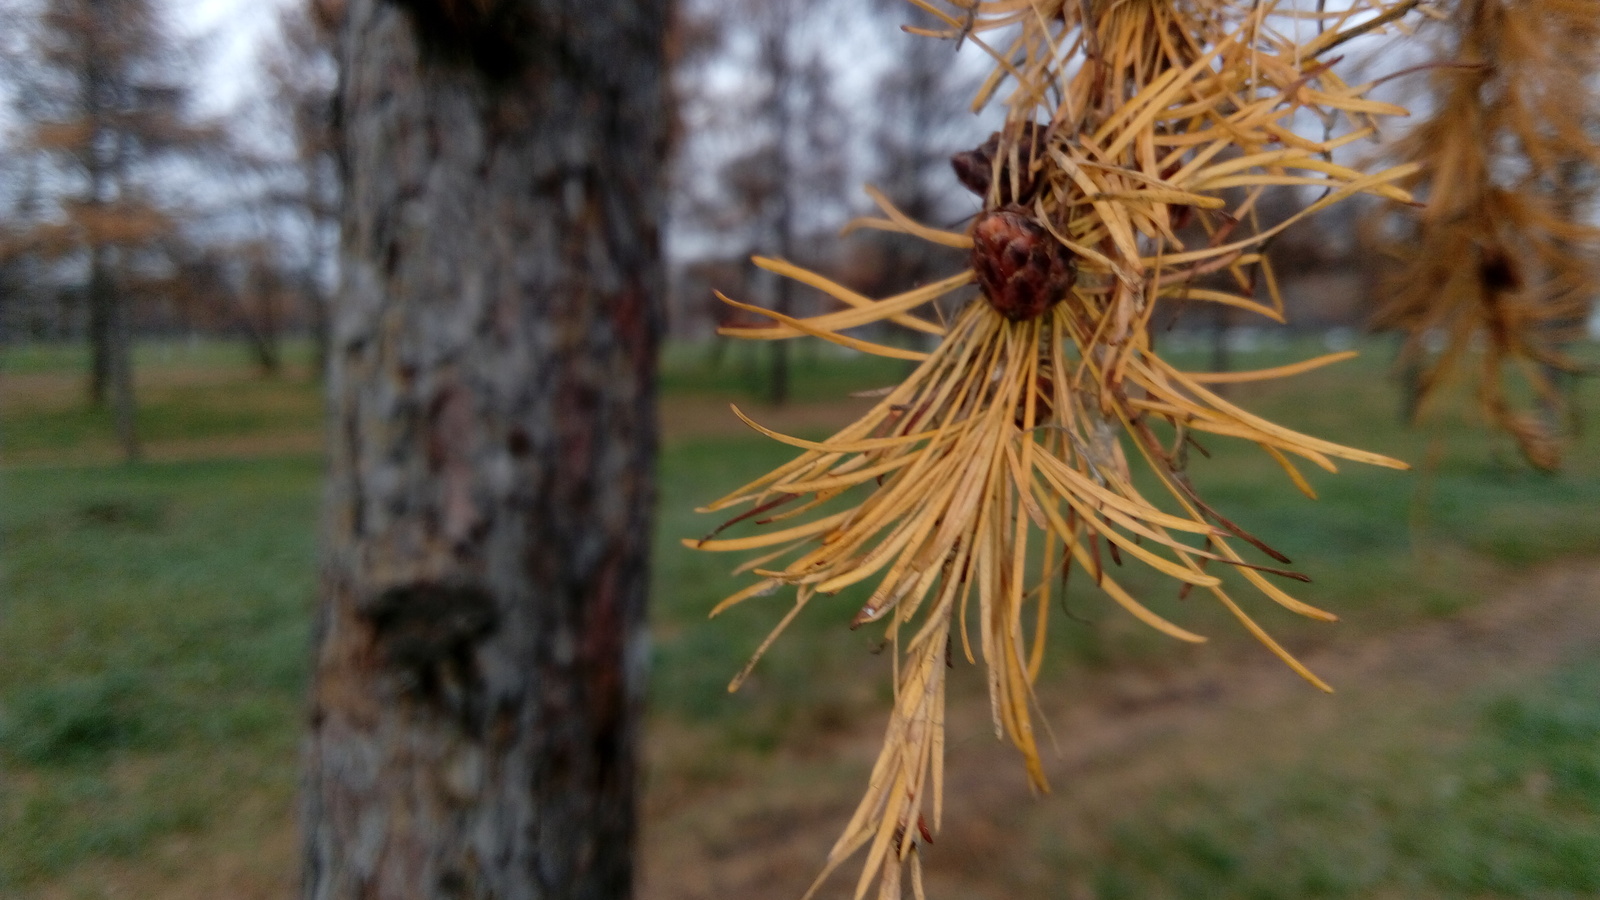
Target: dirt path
[1121, 735]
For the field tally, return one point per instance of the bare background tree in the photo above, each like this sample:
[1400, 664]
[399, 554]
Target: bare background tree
[303, 78]
[781, 144]
[917, 129]
[105, 110]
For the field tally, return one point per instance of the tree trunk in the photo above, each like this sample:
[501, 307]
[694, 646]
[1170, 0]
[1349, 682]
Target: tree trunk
[778, 394]
[1221, 360]
[119, 358]
[779, 69]
[102, 297]
[480, 646]
[260, 331]
[317, 299]
[111, 348]
[103, 175]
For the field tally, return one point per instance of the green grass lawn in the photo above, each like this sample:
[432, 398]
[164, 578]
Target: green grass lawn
[1506, 804]
[153, 639]
[186, 392]
[153, 629]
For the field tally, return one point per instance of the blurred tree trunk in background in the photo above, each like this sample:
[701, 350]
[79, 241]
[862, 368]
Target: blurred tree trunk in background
[480, 642]
[302, 78]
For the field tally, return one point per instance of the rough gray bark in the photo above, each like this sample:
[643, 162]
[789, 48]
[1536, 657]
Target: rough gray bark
[480, 641]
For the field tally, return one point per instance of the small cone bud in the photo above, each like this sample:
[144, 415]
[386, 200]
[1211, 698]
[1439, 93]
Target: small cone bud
[1022, 269]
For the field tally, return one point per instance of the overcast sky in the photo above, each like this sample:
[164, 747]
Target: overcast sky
[231, 31]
